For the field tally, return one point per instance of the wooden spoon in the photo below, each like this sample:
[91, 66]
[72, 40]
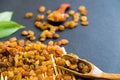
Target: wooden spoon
[59, 15]
[94, 73]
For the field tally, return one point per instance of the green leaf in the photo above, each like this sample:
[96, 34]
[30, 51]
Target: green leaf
[8, 27]
[6, 16]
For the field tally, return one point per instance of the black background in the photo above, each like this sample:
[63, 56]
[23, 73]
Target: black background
[99, 42]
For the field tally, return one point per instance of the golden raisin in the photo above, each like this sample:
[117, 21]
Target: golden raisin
[48, 12]
[49, 35]
[12, 39]
[50, 43]
[67, 77]
[61, 28]
[81, 8]
[41, 9]
[28, 15]
[76, 17]
[84, 13]
[72, 24]
[64, 41]
[85, 69]
[38, 24]
[73, 66]
[32, 38]
[42, 39]
[21, 42]
[25, 33]
[29, 36]
[58, 43]
[13, 44]
[30, 32]
[71, 12]
[83, 18]
[66, 24]
[86, 23]
[39, 17]
[56, 35]
[44, 34]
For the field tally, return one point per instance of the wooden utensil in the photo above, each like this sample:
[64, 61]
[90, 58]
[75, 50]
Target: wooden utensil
[59, 15]
[94, 73]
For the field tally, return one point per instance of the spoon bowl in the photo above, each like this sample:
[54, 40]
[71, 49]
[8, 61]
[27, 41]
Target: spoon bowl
[94, 72]
[59, 15]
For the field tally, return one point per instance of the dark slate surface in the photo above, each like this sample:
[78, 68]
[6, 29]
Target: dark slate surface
[98, 43]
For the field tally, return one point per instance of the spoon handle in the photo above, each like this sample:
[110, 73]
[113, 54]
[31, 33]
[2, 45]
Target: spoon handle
[63, 7]
[111, 76]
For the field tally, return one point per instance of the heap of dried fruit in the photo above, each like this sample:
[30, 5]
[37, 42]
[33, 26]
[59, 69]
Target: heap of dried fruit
[29, 34]
[59, 15]
[71, 62]
[49, 30]
[26, 60]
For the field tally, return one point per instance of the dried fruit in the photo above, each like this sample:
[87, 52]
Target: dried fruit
[48, 12]
[39, 17]
[29, 15]
[76, 17]
[81, 8]
[85, 23]
[71, 12]
[25, 33]
[84, 13]
[83, 18]
[41, 9]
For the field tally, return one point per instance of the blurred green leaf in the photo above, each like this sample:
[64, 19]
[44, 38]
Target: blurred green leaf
[8, 27]
[6, 16]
